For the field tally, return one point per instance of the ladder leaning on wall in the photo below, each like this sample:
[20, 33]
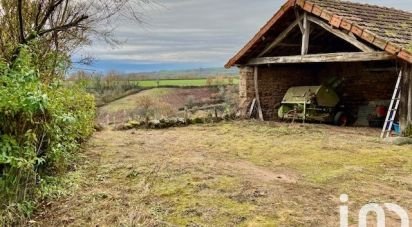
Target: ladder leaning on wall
[393, 109]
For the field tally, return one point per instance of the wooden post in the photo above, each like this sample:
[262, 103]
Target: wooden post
[306, 33]
[260, 113]
[410, 97]
[405, 109]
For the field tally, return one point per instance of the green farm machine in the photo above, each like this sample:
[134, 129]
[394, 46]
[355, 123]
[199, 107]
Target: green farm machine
[314, 104]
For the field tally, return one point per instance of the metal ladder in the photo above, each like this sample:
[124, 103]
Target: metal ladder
[393, 109]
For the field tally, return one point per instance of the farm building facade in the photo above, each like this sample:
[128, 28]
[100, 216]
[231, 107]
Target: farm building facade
[366, 49]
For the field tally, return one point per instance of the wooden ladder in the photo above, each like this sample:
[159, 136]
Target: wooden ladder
[393, 109]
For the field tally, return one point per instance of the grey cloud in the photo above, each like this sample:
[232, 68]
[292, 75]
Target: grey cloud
[208, 31]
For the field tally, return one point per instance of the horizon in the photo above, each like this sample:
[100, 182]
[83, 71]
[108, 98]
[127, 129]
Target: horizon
[170, 39]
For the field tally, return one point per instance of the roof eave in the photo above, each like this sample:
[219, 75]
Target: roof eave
[333, 19]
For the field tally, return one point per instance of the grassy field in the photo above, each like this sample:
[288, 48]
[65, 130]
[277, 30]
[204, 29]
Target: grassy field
[233, 174]
[180, 83]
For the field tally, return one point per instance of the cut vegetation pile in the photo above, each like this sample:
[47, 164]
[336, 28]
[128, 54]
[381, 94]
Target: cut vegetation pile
[227, 174]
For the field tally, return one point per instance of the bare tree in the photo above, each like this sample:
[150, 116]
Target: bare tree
[57, 27]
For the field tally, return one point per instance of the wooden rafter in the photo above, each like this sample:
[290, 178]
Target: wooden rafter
[405, 108]
[299, 22]
[281, 37]
[316, 58]
[348, 38]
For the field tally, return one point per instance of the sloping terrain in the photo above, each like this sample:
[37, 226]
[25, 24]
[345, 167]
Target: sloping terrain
[232, 174]
[175, 98]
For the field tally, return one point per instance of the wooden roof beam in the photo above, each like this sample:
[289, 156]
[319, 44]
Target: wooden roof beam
[281, 37]
[319, 58]
[348, 38]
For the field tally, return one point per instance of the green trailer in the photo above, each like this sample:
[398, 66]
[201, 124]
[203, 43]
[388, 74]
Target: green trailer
[312, 103]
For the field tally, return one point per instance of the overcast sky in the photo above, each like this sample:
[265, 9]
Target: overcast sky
[184, 34]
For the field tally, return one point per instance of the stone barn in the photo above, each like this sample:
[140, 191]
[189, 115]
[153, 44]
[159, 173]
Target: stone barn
[367, 48]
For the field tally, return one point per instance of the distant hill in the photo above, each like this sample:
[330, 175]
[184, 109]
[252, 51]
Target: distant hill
[189, 73]
[201, 73]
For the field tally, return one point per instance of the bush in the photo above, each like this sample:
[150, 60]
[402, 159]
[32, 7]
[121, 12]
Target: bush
[148, 108]
[42, 127]
[190, 101]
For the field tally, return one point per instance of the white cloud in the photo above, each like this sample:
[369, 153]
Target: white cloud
[208, 31]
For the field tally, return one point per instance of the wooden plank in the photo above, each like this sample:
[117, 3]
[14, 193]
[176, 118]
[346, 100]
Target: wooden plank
[260, 113]
[341, 34]
[280, 37]
[317, 58]
[306, 34]
[404, 108]
[409, 117]
[252, 107]
[299, 21]
[409, 114]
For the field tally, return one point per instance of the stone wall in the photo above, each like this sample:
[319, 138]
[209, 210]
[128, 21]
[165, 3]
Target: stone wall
[246, 89]
[274, 81]
[362, 82]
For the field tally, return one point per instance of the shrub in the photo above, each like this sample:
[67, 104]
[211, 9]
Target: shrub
[42, 127]
[148, 108]
[145, 107]
[190, 101]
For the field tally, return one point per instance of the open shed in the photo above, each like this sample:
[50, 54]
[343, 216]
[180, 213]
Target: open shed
[307, 43]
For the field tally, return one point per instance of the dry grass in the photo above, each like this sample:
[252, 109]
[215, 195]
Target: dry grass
[171, 99]
[230, 174]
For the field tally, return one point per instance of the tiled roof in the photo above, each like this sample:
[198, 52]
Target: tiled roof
[388, 29]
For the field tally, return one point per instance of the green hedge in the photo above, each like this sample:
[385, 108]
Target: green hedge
[41, 128]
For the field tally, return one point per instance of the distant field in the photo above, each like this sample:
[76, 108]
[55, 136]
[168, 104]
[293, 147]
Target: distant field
[181, 83]
[170, 82]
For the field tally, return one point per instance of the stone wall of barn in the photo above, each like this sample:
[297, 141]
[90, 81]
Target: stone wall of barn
[361, 83]
[246, 89]
[273, 82]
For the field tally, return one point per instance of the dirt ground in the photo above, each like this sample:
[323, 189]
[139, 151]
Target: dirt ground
[233, 174]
